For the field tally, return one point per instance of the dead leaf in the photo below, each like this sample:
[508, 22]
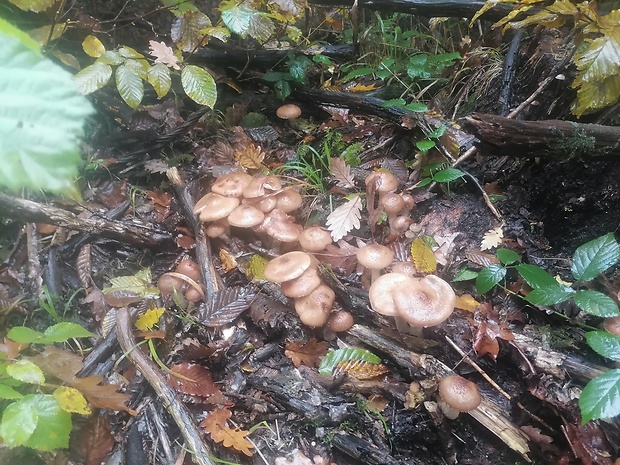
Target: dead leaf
[359, 87]
[229, 262]
[308, 354]
[94, 442]
[489, 330]
[492, 238]
[343, 256]
[163, 54]
[360, 369]
[378, 402]
[216, 424]
[345, 218]
[102, 396]
[466, 302]
[422, 256]
[250, 157]
[480, 258]
[201, 383]
[342, 173]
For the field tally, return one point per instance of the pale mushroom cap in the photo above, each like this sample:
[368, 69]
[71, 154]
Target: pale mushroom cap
[189, 268]
[261, 185]
[288, 266]
[381, 290]
[424, 302]
[216, 229]
[459, 393]
[314, 309]
[245, 216]
[392, 203]
[612, 325]
[288, 111]
[375, 256]
[288, 201]
[213, 207]
[231, 185]
[264, 204]
[302, 285]
[384, 181]
[314, 239]
[280, 226]
[406, 268]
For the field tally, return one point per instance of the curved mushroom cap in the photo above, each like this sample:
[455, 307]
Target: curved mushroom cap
[392, 203]
[612, 325]
[213, 207]
[406, 268]
[217, 229]
[459, 393]
[288, 200]
[340, 321]
[261, 185]
[315, 239]
[288, 111]
[288, 266]
[280, 226]
[424, 302]
[384, 181]
[302, 285]
[401, 224]
[375, 256]
[382, 289]
[409, 202]
[265, 203]
[314, 309]
[245, 216]
[189, 268]
[231, 185]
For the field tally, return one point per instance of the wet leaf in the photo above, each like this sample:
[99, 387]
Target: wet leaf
[308, 353]
[216, 425]
[158, 76]
[71, 400]
[163, 54]
[26, 372]
[422, 256]
[605, 344]
[7, 392]
[595, 257]
[342, 173]
[196, 380]
[489, 277]
[596, 303]
[102, 396]
[93, 47]
[507, 256]
[129, 85]
[535, 276]
[93, 77]
[550, 295]
[229, 303]
[149, 319]
[188, 30]
[94, 442]
[335, 357]
[19, 421]
[251, 157]
[360, 369]
[199, 85]
[600, 398]
[466, 302]
[481, 258]
[345, 218]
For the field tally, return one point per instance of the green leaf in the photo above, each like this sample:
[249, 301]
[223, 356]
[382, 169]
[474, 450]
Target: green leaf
[158, 76]
[335, 357]
[8, 29]
[535, 276]
[53, 426]
[395, 102]
[550, 295]
[507, 256]
[275, 76]
[448, 175]
[359, 72]
[604, 344]
[26, 372]
[23, 334]
[416, 107]
[489, 277]
[19, 421]
[64, 331]
[199, 85]
[600, 398]
[322, 59]
[425, 145]
[129, 86]
[594, 257]
[245, 21]
[93, 77]
[93, 47]
[7, 392]
[35, 6]
[465, 274]
[110, 57]
[282, 89]
[41, 120]
[596, 303]
[437, 133]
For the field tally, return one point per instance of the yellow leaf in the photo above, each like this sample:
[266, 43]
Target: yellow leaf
[250, 158]
[71, 400]
[256, 267]
[228, 260]
[361, 88]
[93, 46]
[466, 302]
[422, 256]
[149, 319]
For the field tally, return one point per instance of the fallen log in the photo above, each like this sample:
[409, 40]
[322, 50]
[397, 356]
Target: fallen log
[549, 138]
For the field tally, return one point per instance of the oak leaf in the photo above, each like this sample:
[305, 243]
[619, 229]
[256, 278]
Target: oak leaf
[492, 238]
[308, 354]
[102, 396]
[163, 54]
[216, 424]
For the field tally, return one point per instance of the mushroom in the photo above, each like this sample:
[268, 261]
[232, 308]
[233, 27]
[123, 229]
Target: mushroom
[340, 321]
[406, 268]
[168, 285]
[219, 229]
[193, 294]
[401, 224]
[381, 292]
[245, 216]
[231, 185]
[303, 285]
[280, 227]
[265, 203]
[288, 266]
[409, 202]
[392, 204]
[459, 394]
[288, 111]
[374, 257]
[384, 182]
[261, 185]
[612, 325]
[288, 200]
[213, 207]
[314, 239]
[314, 309]
[189, 268]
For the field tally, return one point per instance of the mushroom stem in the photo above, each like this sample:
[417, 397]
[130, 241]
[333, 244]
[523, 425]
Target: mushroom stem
[406, 328]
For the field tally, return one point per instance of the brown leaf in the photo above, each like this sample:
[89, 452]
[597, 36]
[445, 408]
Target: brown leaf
[309, 353]
[250, 157]
[489, 330]
[94, 442]
[360, 369]
[480, 258]
[63, 364]
[195, 380]
[216, 424]
[342, 173]
[343, 256]
[102, 396]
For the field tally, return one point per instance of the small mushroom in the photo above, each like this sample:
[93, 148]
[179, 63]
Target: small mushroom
[193, 294]
[280, 227]
[612, 325]
[288, 200]
[340, 321]
[189, 268]
[231, 185]
[374, 257]
[266, 203]
[400, 224]
[302, 285]
[213, 207]
[262, 185]
[168, 285]
[288, 111]
[288, 266]
[409, 203]
[220, 229]
[245, 216]
[314, 239]
[392, 204]
[384, 181]
[459, 394]
[314, 309]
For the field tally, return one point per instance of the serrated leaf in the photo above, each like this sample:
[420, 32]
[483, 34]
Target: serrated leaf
[345, 218]
[24, 335]
[228, 304]
[335, 357]
[492, 238]
[507, 256]
[110, 57]
[199, 85]
[19, 421]
[189, 30]
[53, 425]
[64, 331]
[596, 303]
[93, 47]
[550, 295]
[595, 257]
[342, 173]
[71, 400]
[465, 274]
[26, 372]
[158, 76]
[488, 277]
[246, 21]
[360, 369]
[448, 175]
[604, 344]
[600, 398]
[164, 54]
[535, 276]
[149, 319]
[129, 86]
[93, 77]
[422, 256]
[7, 392]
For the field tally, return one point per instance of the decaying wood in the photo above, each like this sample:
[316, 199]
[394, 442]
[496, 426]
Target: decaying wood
[127, 231]
[549, 138]
[177, 410]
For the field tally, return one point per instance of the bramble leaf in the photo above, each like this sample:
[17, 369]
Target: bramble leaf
[596, 303]
[489, 277]
[600, 398]
[550, 295]
[605, 344]
[595, 257]
[26, 372]
[535, 276]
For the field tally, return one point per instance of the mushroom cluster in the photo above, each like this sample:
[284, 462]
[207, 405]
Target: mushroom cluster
[184, 280]
[396, 206]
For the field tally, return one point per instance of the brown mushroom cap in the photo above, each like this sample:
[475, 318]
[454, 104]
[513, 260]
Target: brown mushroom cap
[612, 325]
[288, 111]
[217, 229]
[302, 285]
[459, 393]
[262, 185]
[381, 291]
[213, 207]
[375, 256]
[231, 185]
[384, 181]
[265, 203]
[392, 203]
[314, 239]
[245, 216]
[280, 226]
[189, 268]
[314, 309]
[168, 284]
[424, 302]
[288, 266]
[193, 294]
[401, 224]
[340, 321]
[409, 202]
[288, 200]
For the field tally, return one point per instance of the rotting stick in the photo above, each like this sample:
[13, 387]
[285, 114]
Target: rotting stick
[177, 410]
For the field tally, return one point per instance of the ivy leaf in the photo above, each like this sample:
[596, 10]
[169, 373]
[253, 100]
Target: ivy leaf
[199, 85]
[335, 357]
[19, 421]
[345, 218]
[594, 257]
[600, 398]
[26, 372]
[129, 86]
[489, 277]
[93, 77]
[158, 76]
[604, 344]
[550, 295]
[596, 303]
[535, 276]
